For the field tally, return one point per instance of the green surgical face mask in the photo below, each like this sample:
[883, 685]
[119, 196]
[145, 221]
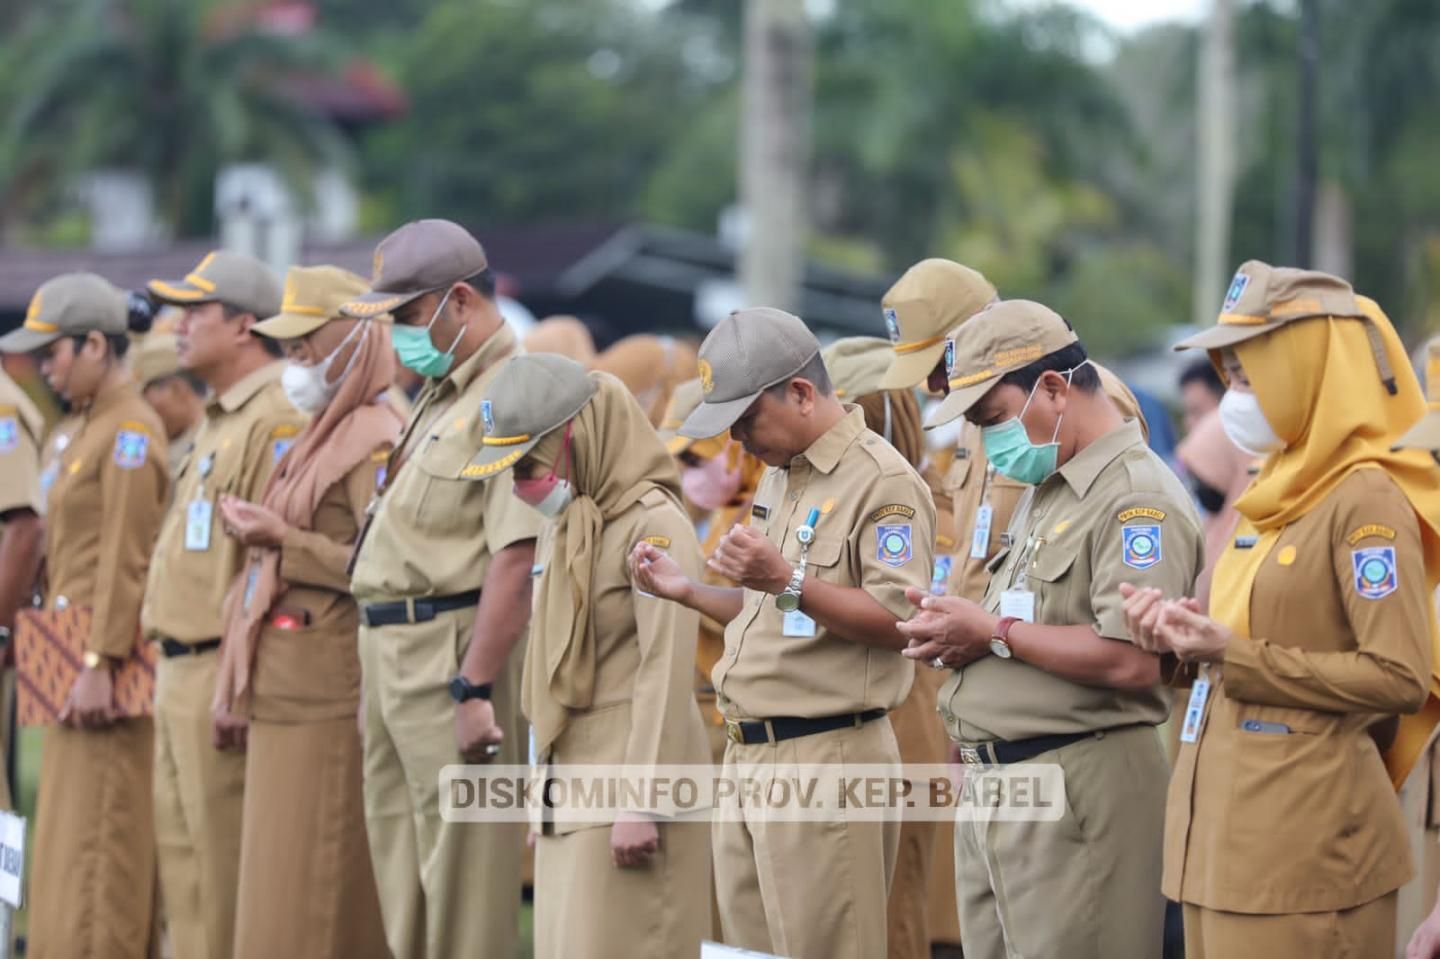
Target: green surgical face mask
[413, 347]
[1008, 446]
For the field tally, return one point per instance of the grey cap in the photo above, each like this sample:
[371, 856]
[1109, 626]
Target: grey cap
[750, 351]
[236, 279]
[532, 395]
[71, 304]
[421, 257]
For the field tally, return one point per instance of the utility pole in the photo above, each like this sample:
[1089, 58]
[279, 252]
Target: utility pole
[774, 151]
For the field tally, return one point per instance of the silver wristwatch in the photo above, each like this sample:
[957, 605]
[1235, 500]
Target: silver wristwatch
[789, 600]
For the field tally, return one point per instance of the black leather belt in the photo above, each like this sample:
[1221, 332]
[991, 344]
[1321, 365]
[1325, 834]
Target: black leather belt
[782, 728]
[1002, 753]
[173, 647]
[416, 610]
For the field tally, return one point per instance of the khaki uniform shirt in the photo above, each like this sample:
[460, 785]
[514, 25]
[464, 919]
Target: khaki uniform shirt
[434, 529]
[875, 533]
[1114, 513]
[105, 508]
[55, 442]
[246, 431]
[972, 483]
[1264, 821]
[311, 671]
[20, 429]
[180, 448]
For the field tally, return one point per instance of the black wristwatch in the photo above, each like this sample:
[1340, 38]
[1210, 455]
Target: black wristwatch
[462, 690]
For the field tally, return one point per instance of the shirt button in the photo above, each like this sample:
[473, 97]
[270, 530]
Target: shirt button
[794, 497]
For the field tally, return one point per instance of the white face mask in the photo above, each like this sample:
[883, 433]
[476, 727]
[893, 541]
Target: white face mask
[556, 501]
[308, 387]
[1245, 423]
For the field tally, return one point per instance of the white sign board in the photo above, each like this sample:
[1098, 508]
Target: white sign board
[713, 950]
[12, 858]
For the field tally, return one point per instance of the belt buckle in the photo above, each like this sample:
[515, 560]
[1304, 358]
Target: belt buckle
[733, 733]
[970, 756]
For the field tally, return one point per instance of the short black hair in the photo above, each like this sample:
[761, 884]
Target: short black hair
[271, 345]
[1085, 378]
[483, 282]
[119, 343]
[1202, 371]
[814, 371]
[196, 385]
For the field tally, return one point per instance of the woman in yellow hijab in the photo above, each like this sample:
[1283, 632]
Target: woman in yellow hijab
[608, 669]
[1283, 834]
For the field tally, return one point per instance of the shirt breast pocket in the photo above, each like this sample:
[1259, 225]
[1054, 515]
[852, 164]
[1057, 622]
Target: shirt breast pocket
[825, 560]
[1049, 576]
[444, 489]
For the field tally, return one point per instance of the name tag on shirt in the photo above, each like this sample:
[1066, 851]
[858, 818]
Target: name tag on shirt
[798, 624]
[1195, 711]
[1019, 603]
[197, 525]
[980, 541]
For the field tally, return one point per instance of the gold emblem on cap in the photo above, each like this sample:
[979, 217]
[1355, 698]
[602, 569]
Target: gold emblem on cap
[707, 377]
[376, 266]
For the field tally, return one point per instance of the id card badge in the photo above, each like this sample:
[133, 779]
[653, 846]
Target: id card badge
[1019, 603]
[980, 540]
[197, 525]
[797, 624]
[1195, 710]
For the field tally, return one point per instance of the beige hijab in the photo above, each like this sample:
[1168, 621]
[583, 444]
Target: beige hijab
[355, 423]
[615, 458]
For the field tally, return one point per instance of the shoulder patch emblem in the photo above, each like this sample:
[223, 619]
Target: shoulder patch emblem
[130, 447]
[944, 565]
[1367, 531]
[9, 433]
[760, 512]
[894, 509]
[892, 544]
[1141, 546]
[1146, 512]
[1375, 576]
[659, 542]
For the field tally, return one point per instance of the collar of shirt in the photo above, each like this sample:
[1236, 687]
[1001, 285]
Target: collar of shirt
[824, 454]
[1087, 464]
[252, 383]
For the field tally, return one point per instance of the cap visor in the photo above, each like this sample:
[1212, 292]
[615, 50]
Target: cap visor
[375, 302]
[1424, 435]
[179, 293]
[1226, 334]
[909, 370]
[26, 341]
[494, 460]
[712, 419]
[289, 326]
[959, 402]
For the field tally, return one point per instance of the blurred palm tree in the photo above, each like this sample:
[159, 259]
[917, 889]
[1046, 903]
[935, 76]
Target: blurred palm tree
[173, 89]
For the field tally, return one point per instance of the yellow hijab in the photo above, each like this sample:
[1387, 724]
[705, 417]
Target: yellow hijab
[1318, 384]
[615, 459]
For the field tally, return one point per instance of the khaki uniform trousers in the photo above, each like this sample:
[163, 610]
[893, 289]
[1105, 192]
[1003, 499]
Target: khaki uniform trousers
[1085, 887]
[921, 737]
[446, 889]
[1364, 932]
[199, 808]
[586, 908]
[807, 890]
[92, 880]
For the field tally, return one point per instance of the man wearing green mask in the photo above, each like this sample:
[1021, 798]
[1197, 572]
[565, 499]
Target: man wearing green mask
[1044, 671]
[442, 574]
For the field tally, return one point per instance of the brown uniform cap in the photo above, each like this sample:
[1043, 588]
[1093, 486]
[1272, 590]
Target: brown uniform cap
[1262, 298]
[235, 279]
[531, 396]
[1425, 434]
[857, 365]
[931, 300]
[421, 257]
[313, 297]
[1008, 336]
[157, 358]
[750, 351]
[69, 305]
